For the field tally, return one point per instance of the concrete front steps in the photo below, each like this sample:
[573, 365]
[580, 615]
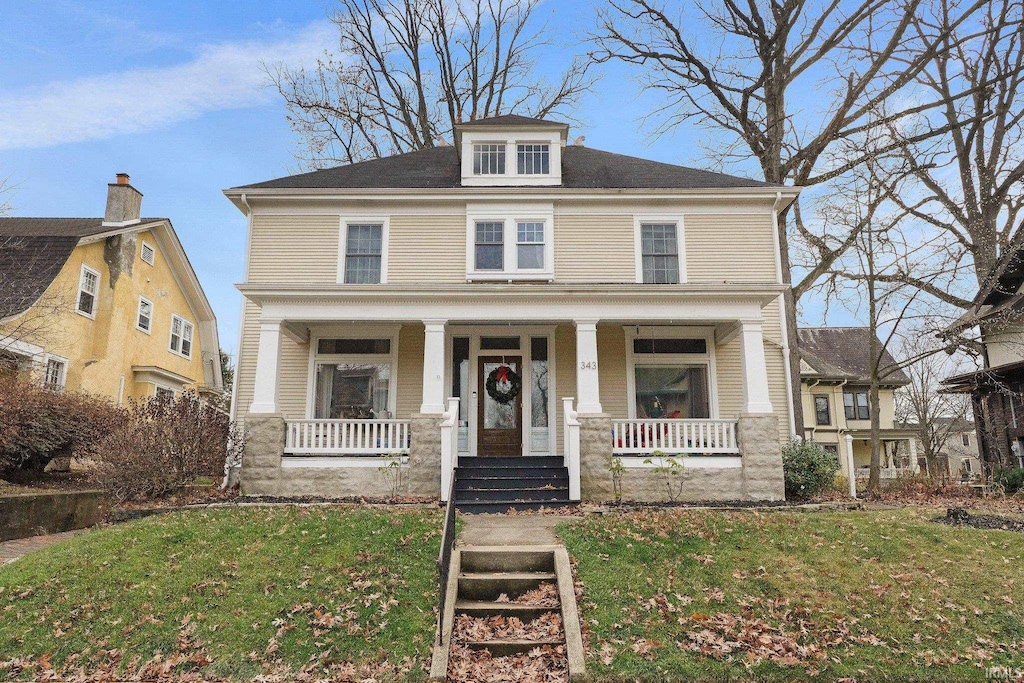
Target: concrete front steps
[494, 485]
[478, 575]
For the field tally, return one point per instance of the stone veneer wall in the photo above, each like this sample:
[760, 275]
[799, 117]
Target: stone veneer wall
[760, 478]
[262, 474]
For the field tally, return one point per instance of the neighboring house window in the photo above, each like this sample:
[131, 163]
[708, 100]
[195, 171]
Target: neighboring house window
[530, 245]
[164, 393]
[831, 448]
[56, 373]
[856, 405]
[354, 379]
[88, 290]
[145, 319]
[533, 159]
[822, 414]
[489, 159]
[659, 251]
[966, 439]
[363, 250]
[490, 245]
[148, 254]
[670, 378]
[181, 336]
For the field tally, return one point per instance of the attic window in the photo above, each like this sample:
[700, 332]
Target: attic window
[489, 159]
[148, 253]
[533, 159]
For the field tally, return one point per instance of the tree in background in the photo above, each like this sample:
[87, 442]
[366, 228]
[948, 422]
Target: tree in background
[406, 71]
[227, 374]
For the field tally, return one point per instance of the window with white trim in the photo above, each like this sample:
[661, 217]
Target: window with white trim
[670, 374]
[490, 245]
[88, 291]
[533, 158]
[144, 322]
[56, 373]
[659, 252]
[181, 336]
[530, 245]
[147, 253]
[489, 158]
[354, 378]
[164, 393]
[510, 243]
[364, 247]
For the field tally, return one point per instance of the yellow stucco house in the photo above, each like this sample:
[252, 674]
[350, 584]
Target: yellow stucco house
[107, 305]
[835, 378]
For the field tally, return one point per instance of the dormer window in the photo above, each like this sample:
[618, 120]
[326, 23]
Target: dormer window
[489, 158]
[533, 159]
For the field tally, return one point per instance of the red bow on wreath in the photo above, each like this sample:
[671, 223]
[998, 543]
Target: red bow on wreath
[501, 375]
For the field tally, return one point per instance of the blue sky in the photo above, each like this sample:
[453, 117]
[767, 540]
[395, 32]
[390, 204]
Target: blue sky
[173, 94]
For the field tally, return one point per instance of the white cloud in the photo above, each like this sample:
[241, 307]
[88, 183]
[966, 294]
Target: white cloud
[221, 76]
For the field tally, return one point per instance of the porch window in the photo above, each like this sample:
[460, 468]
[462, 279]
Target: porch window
[671, 391]
[822, 414]
[659, 250]
[490, 245]
[489, 159]
[856, 405]
[353, 379]
[363, 249]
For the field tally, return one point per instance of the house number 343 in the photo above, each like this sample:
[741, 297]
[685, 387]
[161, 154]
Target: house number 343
[588, 365]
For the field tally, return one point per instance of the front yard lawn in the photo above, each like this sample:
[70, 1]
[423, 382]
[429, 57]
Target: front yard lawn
[229, 593]
[887, 595]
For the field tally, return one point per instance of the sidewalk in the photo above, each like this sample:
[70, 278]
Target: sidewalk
[510, 530]
[12, 550]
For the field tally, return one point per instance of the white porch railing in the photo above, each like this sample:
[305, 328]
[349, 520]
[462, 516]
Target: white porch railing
[346, 437]
[449, 446]
[571, 447]
[671, 437]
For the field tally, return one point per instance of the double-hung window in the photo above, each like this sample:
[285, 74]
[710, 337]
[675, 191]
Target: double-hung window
[533, 159]
[822, 413]
[856, 405]
[530, 245]
[659, 253]
[489, 158]
[364, 244]
[490, 245]
[145, 317]
[181, 336]
[88, 291]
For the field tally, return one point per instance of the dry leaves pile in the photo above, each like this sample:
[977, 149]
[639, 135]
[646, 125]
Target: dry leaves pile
[542, 664]
[544, 595]
[469, 629]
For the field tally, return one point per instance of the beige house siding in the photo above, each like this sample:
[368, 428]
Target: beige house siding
[245, 372]
[729, 247]
[410, 371]
[294, 248]
[565, 376]
[427, 249]
[594, 248]
[611, 368]
[293, 387]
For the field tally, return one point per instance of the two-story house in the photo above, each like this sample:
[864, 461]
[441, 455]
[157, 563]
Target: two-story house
[109, 306]
[516, 305]
[835, 379]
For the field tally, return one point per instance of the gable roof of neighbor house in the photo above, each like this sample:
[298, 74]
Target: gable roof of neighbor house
[582, 168]
[33, 251]
[841, 353]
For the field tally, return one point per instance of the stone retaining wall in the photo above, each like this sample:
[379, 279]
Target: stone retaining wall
[34, 514]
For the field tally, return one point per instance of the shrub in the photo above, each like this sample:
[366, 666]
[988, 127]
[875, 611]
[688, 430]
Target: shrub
[1010, 478]
[809, 469]
[38, 424]
[163, 444]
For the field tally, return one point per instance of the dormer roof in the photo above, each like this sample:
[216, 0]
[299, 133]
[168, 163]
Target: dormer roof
[511, 122]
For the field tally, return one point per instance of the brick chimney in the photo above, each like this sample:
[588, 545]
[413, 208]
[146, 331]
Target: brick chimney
[124, 203]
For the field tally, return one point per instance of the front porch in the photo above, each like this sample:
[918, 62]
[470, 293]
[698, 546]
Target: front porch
[351, 397]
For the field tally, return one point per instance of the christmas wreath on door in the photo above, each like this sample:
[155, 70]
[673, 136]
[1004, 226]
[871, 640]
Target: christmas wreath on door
[503, 384]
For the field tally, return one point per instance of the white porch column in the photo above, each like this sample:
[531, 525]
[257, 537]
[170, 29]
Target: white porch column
[588, 391]
[433, 367]
[851, 470]
[912, 447]
[755, 372]
[268, 360]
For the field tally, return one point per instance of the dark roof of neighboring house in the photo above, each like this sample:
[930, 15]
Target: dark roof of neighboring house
[582, 168]
[32, 252]
[842, 353]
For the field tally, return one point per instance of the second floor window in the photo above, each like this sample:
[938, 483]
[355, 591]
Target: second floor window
[856, 405]
[533, 159]
[659, 251]
[145, 320]
[822, 414]
[966, 439]
[489, 159]
[490, 245]
[181, 336]
[88, 290]
[363, 248]
[530, 245]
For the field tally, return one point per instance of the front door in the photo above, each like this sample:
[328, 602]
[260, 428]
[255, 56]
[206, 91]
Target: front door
[500, 423]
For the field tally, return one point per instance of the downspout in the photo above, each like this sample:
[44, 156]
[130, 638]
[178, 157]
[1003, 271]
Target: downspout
[784, 323]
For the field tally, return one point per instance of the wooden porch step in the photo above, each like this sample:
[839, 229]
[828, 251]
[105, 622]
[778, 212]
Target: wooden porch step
[464, 483]
[514, 461]
[509, 471]
[555, 495]
[482, 507]
[503, 648]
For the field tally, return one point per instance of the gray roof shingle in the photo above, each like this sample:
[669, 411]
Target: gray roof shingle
[842, 353]
[512, 120]
[582, 168]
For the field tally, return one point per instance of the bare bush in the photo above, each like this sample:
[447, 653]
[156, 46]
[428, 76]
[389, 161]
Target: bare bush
[163, 444]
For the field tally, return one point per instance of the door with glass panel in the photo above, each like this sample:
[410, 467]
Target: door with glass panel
[499, 420]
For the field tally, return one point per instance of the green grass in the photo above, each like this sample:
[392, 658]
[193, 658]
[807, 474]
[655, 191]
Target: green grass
[867, 595]
[230, 593]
